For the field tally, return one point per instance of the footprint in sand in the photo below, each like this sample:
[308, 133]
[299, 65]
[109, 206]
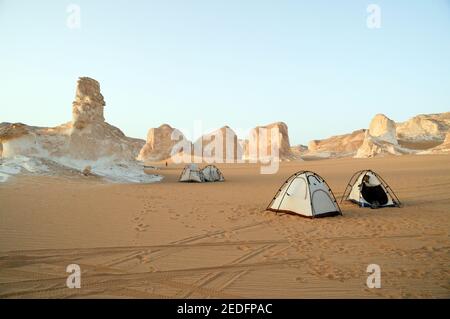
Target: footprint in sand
[243, 248]
[143, 259]
[152, 269]
[300, 279]
[141, 227]
[227, 235]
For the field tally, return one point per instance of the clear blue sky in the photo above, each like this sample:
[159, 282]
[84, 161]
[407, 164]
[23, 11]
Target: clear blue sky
[312, 64]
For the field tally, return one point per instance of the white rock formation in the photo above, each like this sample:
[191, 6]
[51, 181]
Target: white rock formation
[262, 139]
[419, 134]
[85, 141]
[220, 146]
[443, 148]
[299, 150]
[160, 143]
[337, 146]
[424, 127]
[383, 128]
[381, 139]
[88, 105]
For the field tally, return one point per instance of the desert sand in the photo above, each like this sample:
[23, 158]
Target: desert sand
[215, 240]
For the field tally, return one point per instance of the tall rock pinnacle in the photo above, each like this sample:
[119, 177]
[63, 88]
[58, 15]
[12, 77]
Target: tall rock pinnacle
[88, 104]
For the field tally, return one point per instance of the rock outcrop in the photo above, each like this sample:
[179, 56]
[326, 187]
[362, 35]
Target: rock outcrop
[221, 145]
[85, 141]
[160, 143]
[383, 128]
[299, 150]
[88, 104]
[424, 127]
[381, 139]
[263, 138]
[86, 137]
[443, 148]
[419, 134]
[337, 146]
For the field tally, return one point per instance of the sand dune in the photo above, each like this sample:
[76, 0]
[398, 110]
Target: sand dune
[215, 240]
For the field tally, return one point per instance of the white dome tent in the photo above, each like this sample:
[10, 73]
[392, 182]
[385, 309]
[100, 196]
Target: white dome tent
[306, 194]
[191, 173]
[367, 189]
[212, 174]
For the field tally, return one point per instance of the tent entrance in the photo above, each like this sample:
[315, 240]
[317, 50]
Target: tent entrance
[372, 194]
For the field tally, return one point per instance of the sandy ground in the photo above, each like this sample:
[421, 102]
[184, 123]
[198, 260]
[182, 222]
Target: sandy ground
[215, 240]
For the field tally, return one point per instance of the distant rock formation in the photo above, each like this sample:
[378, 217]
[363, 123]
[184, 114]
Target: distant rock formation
[443, 148]
[424, 127]
[381, 139]
[337, 146]
[264, 135]
[160, 143]
[299, 150]
[85, 141]
[384, 136]
[383, 128]
[91, 146]
[222, 145]
[87, 137]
